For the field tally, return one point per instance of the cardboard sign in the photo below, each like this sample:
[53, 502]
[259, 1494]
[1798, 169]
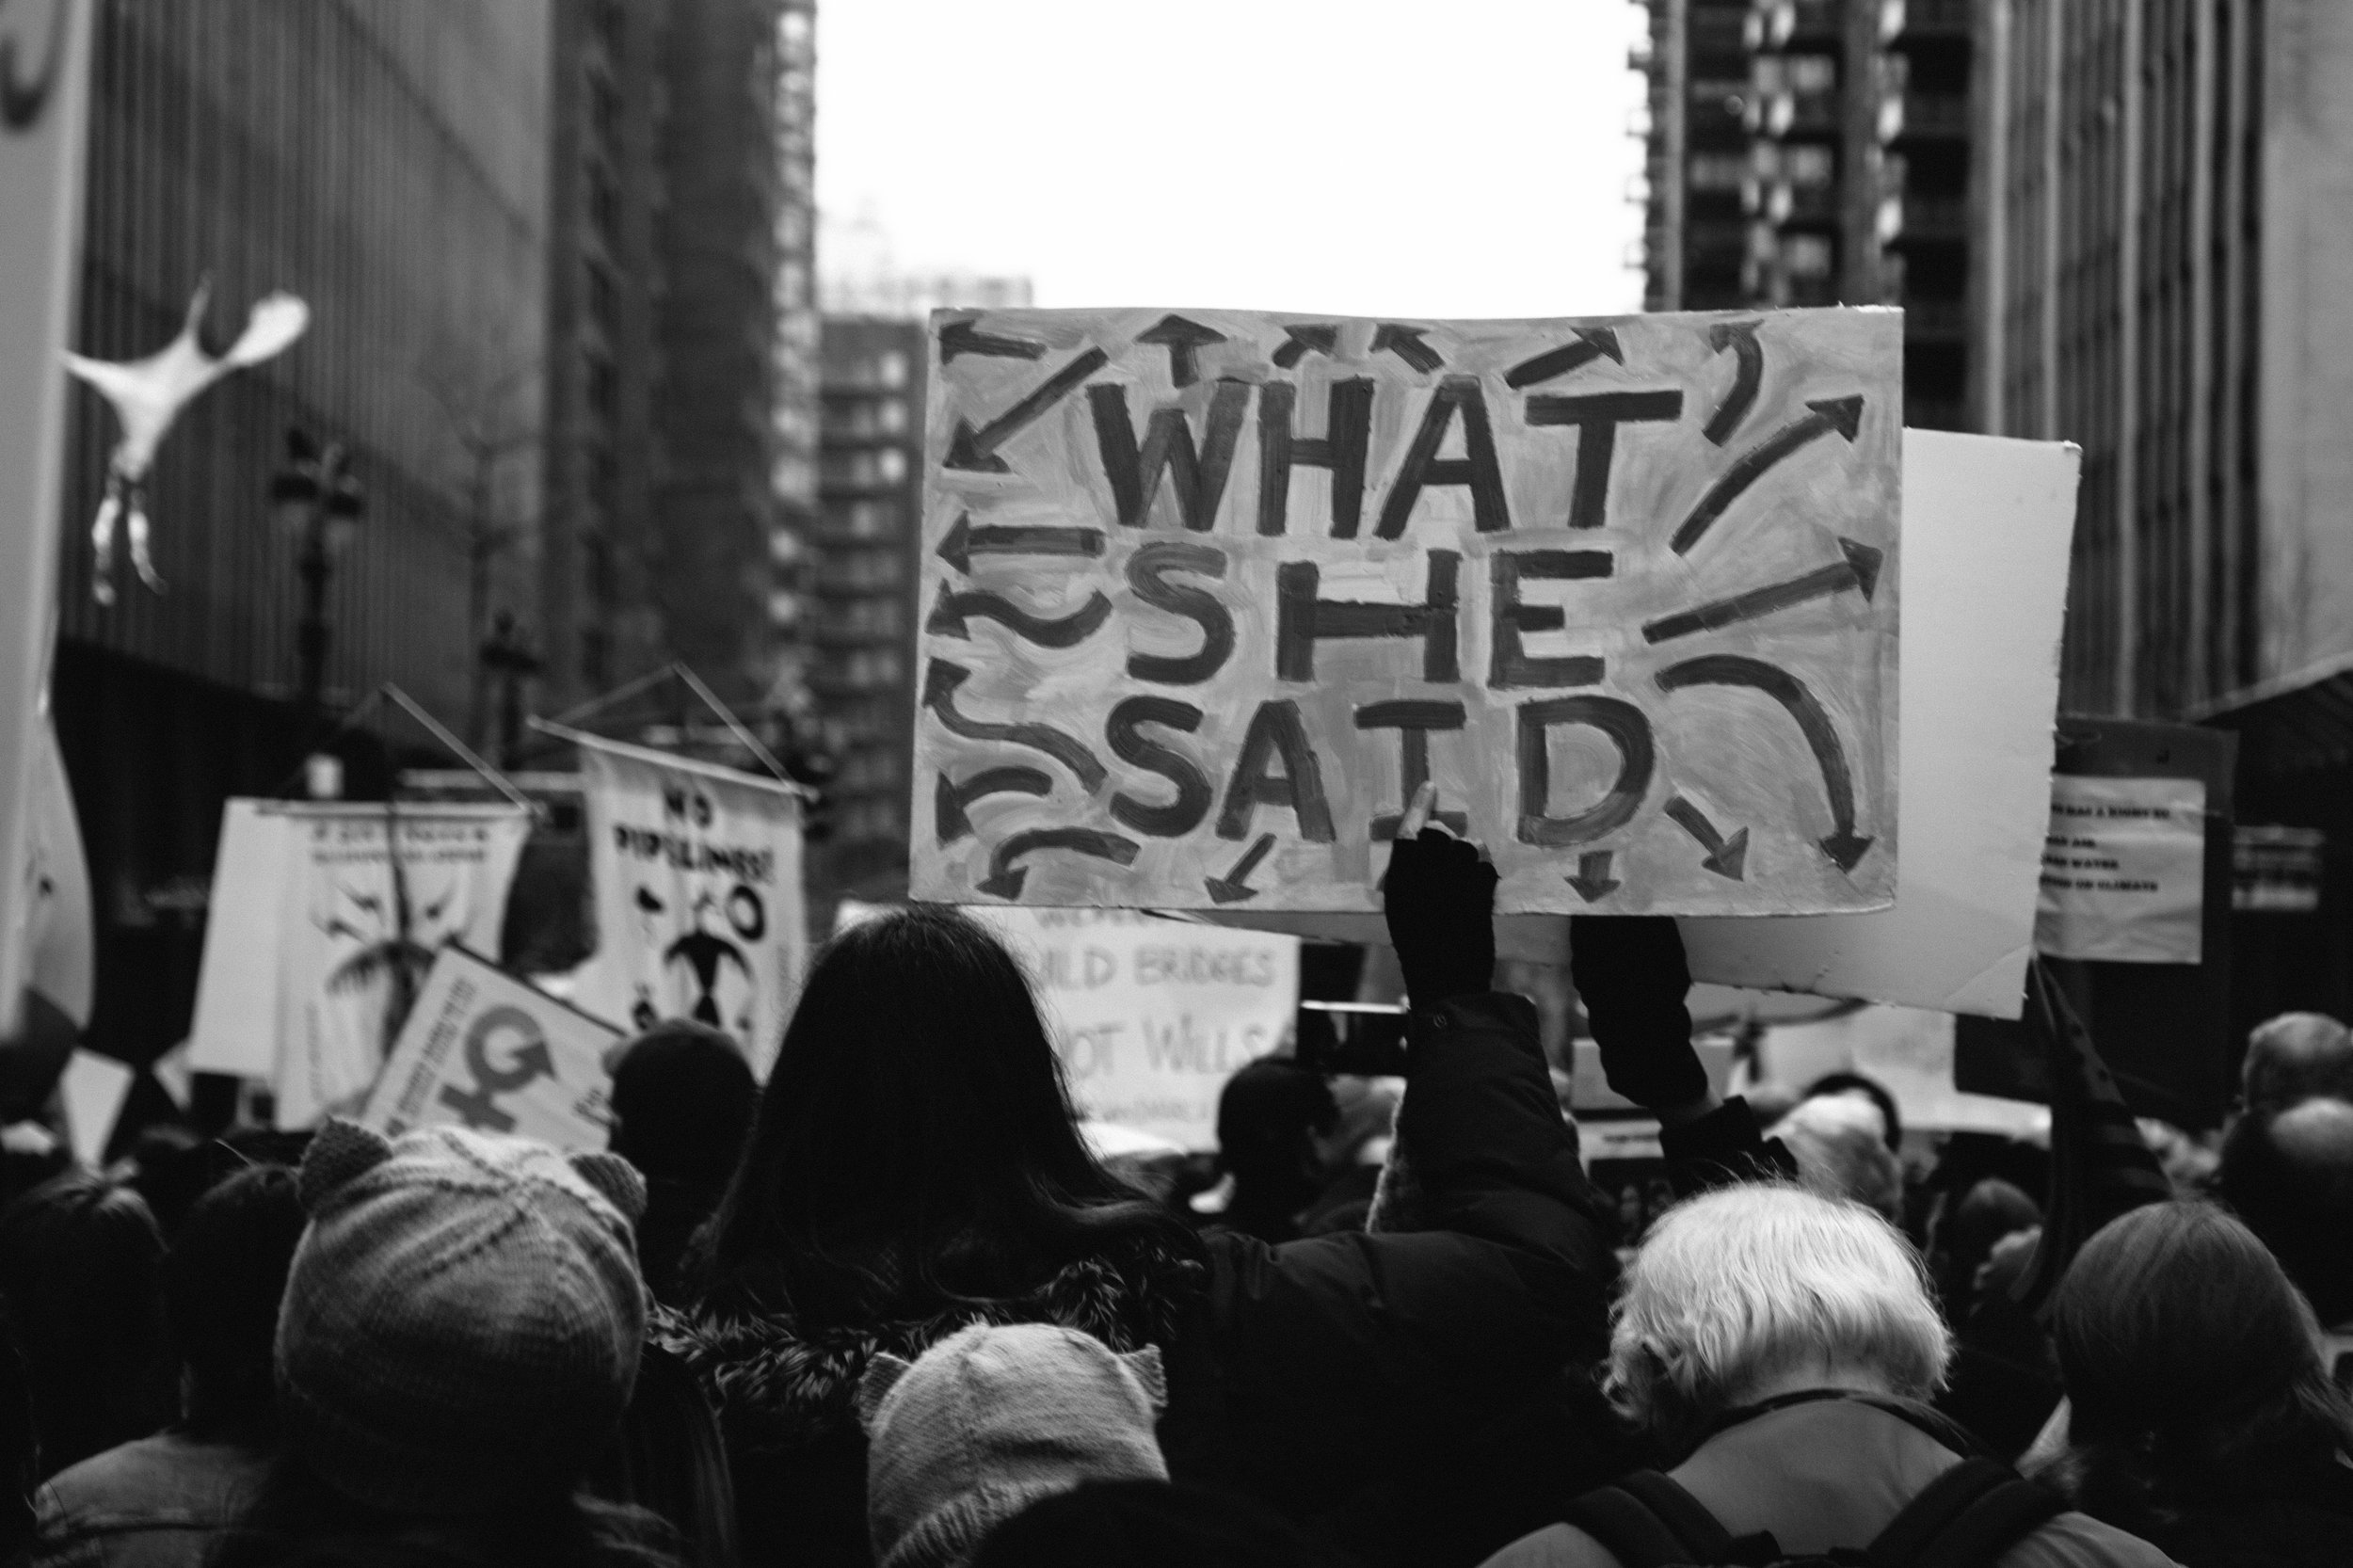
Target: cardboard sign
[1151, 1017]
[323, 921]
[486, 1050]
[2124, 870]
[1210, 594]
[697, 877]
[44, 98]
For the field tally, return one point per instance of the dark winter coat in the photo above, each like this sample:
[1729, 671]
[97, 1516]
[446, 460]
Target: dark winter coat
[1422, 1393]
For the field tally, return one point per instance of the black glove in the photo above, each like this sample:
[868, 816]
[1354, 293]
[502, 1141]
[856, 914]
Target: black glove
[1440, 899]
[1631, 980]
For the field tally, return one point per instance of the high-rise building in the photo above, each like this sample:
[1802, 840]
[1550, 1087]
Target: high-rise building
[388, 163]
[1696, 154]
[865, 585]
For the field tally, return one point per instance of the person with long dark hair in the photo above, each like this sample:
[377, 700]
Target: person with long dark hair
[2199, 1414]
[915, 1169]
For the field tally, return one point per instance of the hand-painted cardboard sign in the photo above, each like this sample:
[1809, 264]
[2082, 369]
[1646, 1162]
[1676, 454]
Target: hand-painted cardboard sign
[484, 1049]
[1209, 596]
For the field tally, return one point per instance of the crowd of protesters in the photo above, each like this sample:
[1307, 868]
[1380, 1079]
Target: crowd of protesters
[892, 1308]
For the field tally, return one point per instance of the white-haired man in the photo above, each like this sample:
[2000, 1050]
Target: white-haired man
[1784, 1344]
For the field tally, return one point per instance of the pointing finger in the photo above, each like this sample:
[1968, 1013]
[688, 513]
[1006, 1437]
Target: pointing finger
[1423, 807]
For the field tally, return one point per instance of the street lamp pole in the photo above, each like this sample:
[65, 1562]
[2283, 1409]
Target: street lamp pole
[316, 498]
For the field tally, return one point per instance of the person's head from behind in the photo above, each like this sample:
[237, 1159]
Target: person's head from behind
[461, 1323]
[1150, 1524]
[988, 1421]
[1839, 1143]
[1861, 1086]
[81, 1265]
[2288, 1174]
[915, 1139]
[682, 1101]
[1975, 1224]
[1761, 1289]
[2192, 1365]
[1269, 1116]
[223, 1279]
[2294, 1057]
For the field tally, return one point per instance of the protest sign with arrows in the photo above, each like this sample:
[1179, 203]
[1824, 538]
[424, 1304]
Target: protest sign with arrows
[1208, 595]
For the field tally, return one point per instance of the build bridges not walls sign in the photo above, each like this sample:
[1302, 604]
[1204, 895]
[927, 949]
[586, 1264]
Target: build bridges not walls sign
[1207, 595]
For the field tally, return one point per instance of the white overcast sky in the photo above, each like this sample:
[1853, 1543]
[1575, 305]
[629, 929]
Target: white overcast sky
[1437, 157]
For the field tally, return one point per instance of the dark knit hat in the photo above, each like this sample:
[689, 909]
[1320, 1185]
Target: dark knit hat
[462, 1320]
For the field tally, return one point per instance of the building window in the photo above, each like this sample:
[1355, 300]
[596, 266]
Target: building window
[1717, 172]
[1806, 256]
[890, 369]
[604, 386]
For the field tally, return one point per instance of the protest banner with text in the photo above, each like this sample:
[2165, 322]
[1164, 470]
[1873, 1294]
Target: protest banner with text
[1207, 594]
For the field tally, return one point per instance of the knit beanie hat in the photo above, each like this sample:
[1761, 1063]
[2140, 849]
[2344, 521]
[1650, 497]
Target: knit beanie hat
[462, 1320]
[990, 1420]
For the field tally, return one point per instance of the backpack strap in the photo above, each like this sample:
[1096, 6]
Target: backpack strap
[1964, 1518]
[1648, 1521]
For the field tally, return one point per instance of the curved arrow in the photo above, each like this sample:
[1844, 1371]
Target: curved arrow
[1405, 343]
[1844, 846]
[1234, 886]
[949, 616]
[963, 541]
[966, 337]
[1842, 414]
[949, 798]
[21, 102]
[975, 451]
[1740, 337]
[1315, 338]
[1859, 571]
[1593, 343]
[1182, 338]
[1727, 857]
[940, 680]
[1005, 878]
[1592, 879]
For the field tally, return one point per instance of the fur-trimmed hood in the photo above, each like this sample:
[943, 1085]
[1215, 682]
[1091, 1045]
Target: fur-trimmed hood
[775, 1383]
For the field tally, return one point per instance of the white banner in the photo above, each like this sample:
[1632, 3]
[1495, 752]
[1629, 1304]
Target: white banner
[699, 912]
[484, 1049]
[44, 94]
[319, 937]
[2124, 870]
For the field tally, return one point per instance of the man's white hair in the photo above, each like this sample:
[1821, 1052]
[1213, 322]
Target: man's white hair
[1757, 1280]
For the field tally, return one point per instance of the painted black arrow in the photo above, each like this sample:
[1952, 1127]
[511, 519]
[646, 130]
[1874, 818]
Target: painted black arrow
[1316, 338]
[1740, 337]
[950, 799]
[975, 451]
[1859, 571]
[1842, 414]
[1592, 879]
[940, 680]
[966, 337]
[1593, 343]
[949, 616]
[1182, 338]
[963, 541]
[1234, 886]
[1843, 845]
[1005, 878]
[1727, 857]
[1405, 343]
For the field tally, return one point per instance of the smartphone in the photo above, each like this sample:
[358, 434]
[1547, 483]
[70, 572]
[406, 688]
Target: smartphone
[1363, 1039]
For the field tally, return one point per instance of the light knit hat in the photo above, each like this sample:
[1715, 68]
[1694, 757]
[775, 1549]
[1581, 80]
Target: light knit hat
[462, 1322]
[990, 1420]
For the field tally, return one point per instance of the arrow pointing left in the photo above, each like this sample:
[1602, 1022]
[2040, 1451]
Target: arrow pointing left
[963, 541]
[966, 337]
[948, 618]
[1005, 878]
[975, 451]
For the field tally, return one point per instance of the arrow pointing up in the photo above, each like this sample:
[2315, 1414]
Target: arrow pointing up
[1593, 343]
[1405, 343]
[1740, 337]
[1317, 338]
[975, 451]
[1859, 571]
[1727, 857]
[1592, 879]
[1234, 886]
[1842, 414]
[963, 541]
[966, 337]
[1005, 878]
[1182, 338]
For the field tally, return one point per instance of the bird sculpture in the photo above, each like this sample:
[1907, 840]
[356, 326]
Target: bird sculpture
[148, 394]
